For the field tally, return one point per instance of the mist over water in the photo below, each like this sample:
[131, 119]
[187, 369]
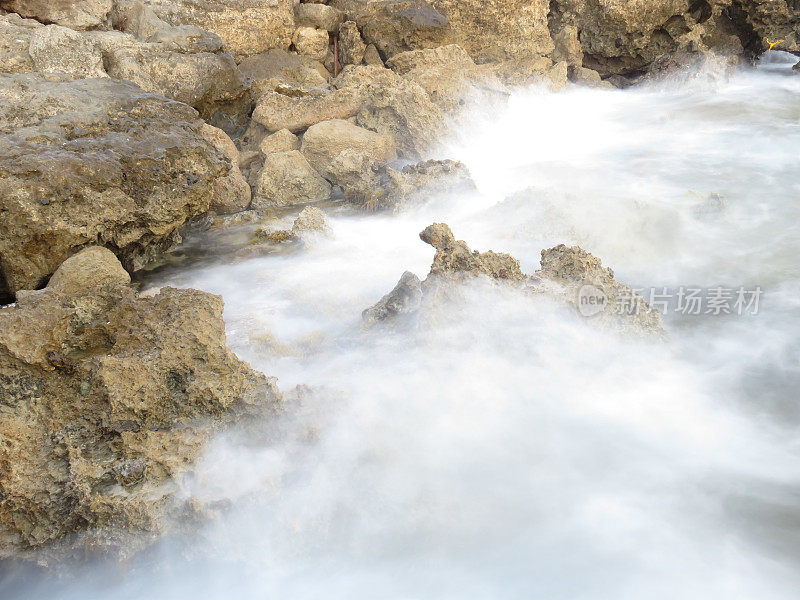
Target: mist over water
[507, 449]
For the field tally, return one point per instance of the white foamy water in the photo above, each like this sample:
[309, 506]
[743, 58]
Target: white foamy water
[509, 450]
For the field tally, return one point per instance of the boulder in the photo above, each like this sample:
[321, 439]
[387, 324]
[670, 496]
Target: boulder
[311, 42]
[84, 14]
[92, 267]
[277, 111]
[372, 56]
[133, 17]
[427, 179]
[351, 46]
[95, 162]
[232, 192]
[310, 220]
[108, 399]
[246, 27]
[287, 179]
[15, 39]
[278, 69]
[405, 298]
[56, 49]
[318, 16]
[325, 142]
[397, 25]
[455, 259]
[280, 141]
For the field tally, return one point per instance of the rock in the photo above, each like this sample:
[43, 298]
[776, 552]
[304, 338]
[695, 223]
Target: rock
[372, 56]
[247, 27]
[405, 298]
[454, 258]
[56, 49]
[429, 178]
[15, 39]
[556, 77]
[311, 42]
[83, 14]
[278, 68]
[108, 399]
[351, 46]
[92, 267]
[398, 25]
[310, 219]
[318, 16]
[567, 46]
[584, 278]
[584, 76]
[498, 31]
[280, 141]
[136, 19]
[346, 155]
[179, 67]
[277, 111]
[95, 162]
[394, 106]
[287, 179]
[232, 192]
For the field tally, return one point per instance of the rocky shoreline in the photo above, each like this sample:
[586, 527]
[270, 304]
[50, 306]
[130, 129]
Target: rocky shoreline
[124, 122]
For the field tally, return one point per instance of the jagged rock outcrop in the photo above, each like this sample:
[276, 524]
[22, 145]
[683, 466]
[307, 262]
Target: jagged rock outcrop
[82, 14]
[107, 399]
[95, 161]
[570, 276]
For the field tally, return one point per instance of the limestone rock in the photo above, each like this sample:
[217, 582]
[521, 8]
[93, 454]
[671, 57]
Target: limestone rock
[95, 162]
[92, 267]
[56, 49]
[344, 154]
[277, 111]
[246, 27]
[351, 46]
[318, 16]
[280, 141]
[311, 42]
[15, 39]
[567, 46]
[287, 179]
[232, 192]
[426, 179]
[84, 14]
[398, 25]
[280, 69]
[133, 17]
[406, 297]
[455, 259]
[311, 219]
[108, 399]
[372, 56]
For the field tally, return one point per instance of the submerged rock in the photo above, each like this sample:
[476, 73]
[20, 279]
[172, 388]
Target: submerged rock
[107, 400]
[570, 276]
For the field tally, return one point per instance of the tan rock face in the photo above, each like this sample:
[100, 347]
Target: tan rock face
[246, 27]
[311, 42]
[279, 69]
[318, 16]
[85, 14]
[56, 49]
[287, 179]
[232, 192]
[107, 400]
[15, 39]
[92, 267]
[277, 111]
[351, 46]
[280, 141]
[95, 161]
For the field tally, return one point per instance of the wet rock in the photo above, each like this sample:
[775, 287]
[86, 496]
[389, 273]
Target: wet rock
[427, 179]
[86, 14]
[108, 399]
[346, 155]
[351, 46]
[247, 27]
[92, 267]
[56, 49]
[95, 162]
[455, 259]
[405, 298]
[286, 179]
[311, 42]
[277, 111]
